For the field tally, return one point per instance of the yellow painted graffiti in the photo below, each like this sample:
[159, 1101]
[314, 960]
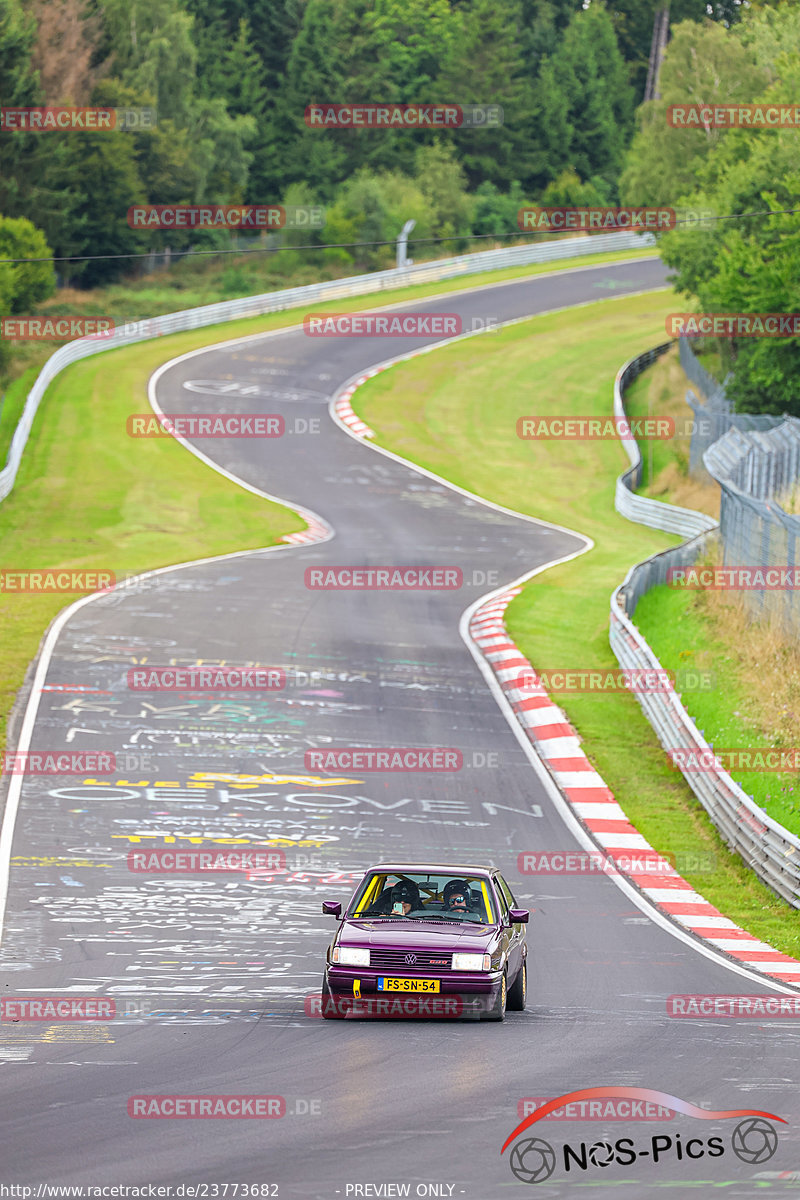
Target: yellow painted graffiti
[254, 780]
[50, 861]
[225, 841]
[205, 781]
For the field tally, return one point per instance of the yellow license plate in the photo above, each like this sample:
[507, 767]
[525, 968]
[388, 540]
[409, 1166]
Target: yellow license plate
[408, 985]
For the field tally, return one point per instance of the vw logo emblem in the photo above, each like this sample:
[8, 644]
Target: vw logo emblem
[411, 959]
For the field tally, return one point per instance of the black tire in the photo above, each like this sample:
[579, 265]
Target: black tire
[518, 992]
[498, 1010]
[331, 1011]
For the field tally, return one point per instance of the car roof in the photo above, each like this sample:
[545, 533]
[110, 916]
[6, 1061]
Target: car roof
[436, 868]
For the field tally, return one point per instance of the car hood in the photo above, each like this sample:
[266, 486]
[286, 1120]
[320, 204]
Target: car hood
[421, 935]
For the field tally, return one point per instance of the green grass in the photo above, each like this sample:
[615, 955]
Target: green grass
[454, 412]
[84, 500]
[682, 634]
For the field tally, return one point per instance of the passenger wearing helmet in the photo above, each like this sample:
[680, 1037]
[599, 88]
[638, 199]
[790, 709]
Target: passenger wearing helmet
[457, 897]
[397, 901]
[405, 897]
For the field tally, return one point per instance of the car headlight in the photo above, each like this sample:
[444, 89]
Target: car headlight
[351, 956]
[472, 962]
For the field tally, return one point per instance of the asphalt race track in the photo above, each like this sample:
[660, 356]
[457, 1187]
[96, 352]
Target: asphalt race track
[211, 975]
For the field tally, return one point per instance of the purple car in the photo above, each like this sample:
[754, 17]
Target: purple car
[450, 937]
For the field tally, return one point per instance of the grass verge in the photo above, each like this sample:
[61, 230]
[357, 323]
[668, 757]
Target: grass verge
[454, 411]
[755, 698]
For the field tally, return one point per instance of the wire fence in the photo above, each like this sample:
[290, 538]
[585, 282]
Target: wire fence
[756, 471]
[279, 301]
[771, 851]
[714, 417]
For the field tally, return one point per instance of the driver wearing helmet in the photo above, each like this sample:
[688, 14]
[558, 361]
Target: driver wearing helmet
[457, 897]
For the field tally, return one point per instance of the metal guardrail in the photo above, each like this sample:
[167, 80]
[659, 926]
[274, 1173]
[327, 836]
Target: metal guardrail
[771, 851]
[641, 509]
[335, 289]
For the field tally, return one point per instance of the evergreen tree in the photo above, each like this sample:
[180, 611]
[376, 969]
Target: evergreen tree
[591, 76]
[485, 66]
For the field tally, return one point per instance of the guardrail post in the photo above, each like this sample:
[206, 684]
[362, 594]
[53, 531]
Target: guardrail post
[402, 245]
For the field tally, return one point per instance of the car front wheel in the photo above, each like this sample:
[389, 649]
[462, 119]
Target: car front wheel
[331, 1010]
[498, 1010]
[518, 992]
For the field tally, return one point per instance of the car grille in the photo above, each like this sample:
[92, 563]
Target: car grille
[408, 961]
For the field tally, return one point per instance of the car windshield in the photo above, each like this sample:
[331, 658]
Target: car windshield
[424, 896]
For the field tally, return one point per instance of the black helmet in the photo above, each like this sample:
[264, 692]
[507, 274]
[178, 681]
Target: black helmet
[406, 892]
[457, 887]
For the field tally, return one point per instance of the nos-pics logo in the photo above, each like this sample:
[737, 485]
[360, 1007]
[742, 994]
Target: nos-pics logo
[533, 1160]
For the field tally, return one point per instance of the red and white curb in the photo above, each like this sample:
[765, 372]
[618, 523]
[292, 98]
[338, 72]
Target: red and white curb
[592, 801]
[317, 531]
[344, 409]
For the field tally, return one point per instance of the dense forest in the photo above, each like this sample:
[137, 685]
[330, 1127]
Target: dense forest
[230, 82]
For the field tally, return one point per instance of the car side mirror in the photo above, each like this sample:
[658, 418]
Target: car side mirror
[332, 908]
[519, 915]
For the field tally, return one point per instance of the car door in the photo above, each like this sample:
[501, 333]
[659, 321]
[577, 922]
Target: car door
[510, 947]
[516, 933]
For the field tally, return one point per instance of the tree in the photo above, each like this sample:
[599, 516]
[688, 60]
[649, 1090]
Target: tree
[485, 66]
[496, 212]
[26, 284]
[590, 75]
[751, 264]
[704, 64]
[442, 183]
